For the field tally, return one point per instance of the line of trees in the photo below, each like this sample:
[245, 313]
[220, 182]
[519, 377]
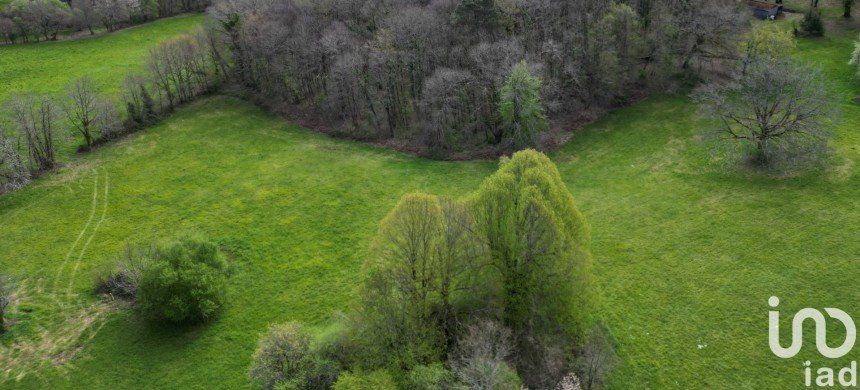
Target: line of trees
[28, 20]
[177, 71]
[433, 73]
[491, 292]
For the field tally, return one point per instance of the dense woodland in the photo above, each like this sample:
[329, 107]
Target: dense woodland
[432, 72]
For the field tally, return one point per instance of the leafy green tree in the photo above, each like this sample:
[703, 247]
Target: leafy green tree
[520, 109]
[430, 377]
[185, 281]
[421, 266]
[765, 40]
[539, 243]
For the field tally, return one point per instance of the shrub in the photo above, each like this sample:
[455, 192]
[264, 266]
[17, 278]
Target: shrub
[284, 359]
[812, 25]
[124, 280]
[376, 380]
[430, 377]
[184, 281]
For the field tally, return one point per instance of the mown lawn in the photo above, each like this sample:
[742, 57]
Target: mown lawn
[686, 251]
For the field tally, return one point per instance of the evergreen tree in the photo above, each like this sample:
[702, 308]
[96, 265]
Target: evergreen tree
[520, 109]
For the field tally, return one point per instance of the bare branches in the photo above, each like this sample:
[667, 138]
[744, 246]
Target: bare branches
[13, 172]
[776, 106]
[375, 68]
[180, 68]
[36, 117]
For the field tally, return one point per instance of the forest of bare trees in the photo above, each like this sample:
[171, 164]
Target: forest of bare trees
[431, 72]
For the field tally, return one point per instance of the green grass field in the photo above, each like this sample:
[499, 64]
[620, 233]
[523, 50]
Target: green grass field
[46, 67]
[686, 251]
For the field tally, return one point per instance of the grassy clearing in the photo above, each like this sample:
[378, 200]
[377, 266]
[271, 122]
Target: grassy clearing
[686, 252]
[46, 67]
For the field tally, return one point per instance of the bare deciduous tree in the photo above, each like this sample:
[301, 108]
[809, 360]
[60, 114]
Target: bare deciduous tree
[481, 358]
[13, 171]
[368, 63]
[36, 117]
[777, 106]
[180, 68]
[86, 14]
[596, 359]
[82, 108]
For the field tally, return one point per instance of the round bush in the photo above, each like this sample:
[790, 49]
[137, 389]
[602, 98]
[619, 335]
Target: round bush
[285, 359]
[185, 281]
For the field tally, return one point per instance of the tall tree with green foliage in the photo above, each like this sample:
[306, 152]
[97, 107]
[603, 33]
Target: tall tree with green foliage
[520, 109]
[765, 40]
[421, 265]
[539, 243]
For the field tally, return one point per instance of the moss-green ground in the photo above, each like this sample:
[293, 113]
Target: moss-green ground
[686, 252]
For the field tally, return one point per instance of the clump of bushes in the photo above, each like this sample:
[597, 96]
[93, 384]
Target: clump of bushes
[492, 292]
[286, 359]
[184, 280]
[122, 282]
[812, 25]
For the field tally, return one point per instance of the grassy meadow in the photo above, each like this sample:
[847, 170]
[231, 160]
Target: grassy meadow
[46, 67]
[687, 250]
